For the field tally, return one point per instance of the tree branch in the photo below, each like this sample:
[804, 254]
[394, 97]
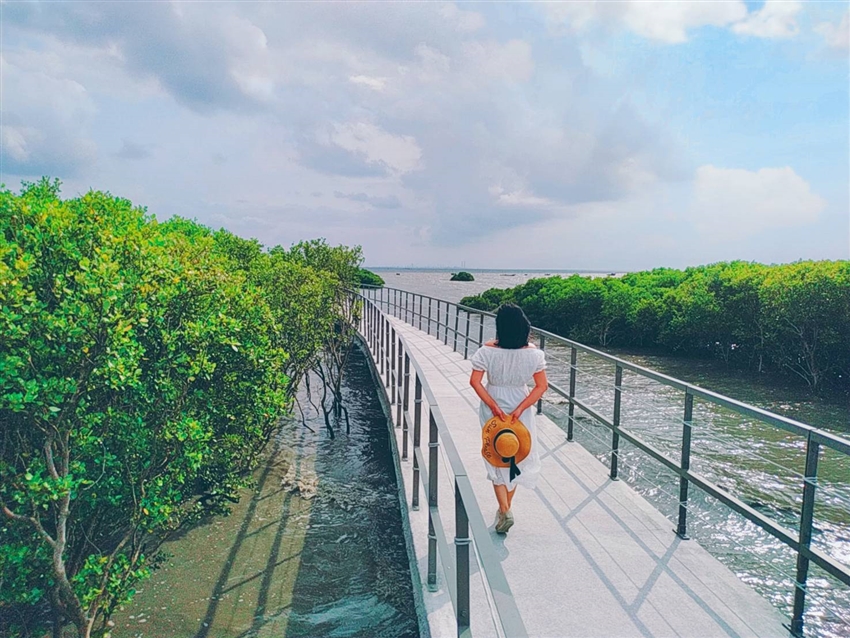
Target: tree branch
[32, 520]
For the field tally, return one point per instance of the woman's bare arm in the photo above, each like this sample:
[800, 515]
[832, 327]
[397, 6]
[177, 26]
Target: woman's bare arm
[541, 384]
[481, 391]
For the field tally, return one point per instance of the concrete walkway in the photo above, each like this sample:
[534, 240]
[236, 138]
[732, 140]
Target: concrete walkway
[587, 556]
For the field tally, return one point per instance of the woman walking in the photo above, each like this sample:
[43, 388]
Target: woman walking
[510, 362]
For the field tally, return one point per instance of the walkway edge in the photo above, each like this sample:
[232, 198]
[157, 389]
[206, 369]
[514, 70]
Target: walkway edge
[435, 610]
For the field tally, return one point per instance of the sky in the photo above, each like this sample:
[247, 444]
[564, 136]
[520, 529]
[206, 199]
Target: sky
[612, 135]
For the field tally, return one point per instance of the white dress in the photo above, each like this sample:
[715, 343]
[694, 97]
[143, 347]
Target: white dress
[508, 374]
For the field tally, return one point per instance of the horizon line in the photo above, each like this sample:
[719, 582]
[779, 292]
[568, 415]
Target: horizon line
[468, 268]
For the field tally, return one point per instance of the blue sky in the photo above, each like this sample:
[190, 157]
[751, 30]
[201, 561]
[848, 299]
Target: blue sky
[610, 135]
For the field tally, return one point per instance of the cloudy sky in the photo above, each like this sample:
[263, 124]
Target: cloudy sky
[611, 135]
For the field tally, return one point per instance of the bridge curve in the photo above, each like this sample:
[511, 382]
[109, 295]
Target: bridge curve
[587, 556]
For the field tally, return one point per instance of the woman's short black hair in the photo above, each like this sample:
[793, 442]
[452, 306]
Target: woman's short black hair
[512, 327]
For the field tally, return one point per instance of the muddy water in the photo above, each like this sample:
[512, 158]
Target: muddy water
[316, 549]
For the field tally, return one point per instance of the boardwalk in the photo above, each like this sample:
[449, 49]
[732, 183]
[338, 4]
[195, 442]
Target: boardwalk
[587, 556]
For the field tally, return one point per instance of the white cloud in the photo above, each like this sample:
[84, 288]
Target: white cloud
[14, 140]
[398, 153]
[736, 203]
[511, 61]
[775, 19]
[519, 198]
[671, 22]
[376, 84]
[657, 20]
[46, 118]
[433, 65]
[837, 36]
[464, 21]
[251, 63]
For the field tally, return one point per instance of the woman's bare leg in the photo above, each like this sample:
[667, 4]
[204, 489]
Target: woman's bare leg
[502, 497]
[510, 496]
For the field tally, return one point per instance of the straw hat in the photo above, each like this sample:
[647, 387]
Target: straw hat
[504, 444]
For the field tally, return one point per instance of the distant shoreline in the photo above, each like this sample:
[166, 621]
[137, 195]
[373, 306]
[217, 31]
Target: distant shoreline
[505, 270]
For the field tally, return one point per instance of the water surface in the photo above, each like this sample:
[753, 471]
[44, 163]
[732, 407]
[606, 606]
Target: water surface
[317, 549]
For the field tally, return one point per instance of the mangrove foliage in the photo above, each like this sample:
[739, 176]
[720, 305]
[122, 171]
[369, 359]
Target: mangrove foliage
[792, 319]
[369, 278]
[143, 368]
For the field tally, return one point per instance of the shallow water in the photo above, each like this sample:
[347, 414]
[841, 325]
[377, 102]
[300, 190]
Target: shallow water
[316, 549]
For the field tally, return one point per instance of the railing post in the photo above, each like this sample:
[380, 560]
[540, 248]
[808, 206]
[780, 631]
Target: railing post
[409, 308]
[438, 319]
[387, 348]
[466, 337]
[429, 314]
[446, 329]
[540, 400]
[572, 407]
[687, 424]
[380, 350]
[433, 443]
[399, 381]
[481, 331]
[405, 403]
[457, 319]
[352, 300]
[615, 438]
[420, 310]
[369, 326]
[417, 431]
[461, 563]
[810, 482]
[392, 368]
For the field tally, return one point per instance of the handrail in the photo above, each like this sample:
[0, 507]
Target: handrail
[783, 422]
[393, 357]
[815, 438]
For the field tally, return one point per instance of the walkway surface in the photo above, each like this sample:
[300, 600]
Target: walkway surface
[587, 556]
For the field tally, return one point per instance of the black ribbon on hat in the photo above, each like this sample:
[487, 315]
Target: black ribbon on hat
[515, 471]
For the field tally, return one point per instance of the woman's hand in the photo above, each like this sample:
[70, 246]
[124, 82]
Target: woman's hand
[497, 411]
[515, 415]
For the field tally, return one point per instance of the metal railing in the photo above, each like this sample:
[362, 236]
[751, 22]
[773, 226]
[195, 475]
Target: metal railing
[415, 308]
[395, 365]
